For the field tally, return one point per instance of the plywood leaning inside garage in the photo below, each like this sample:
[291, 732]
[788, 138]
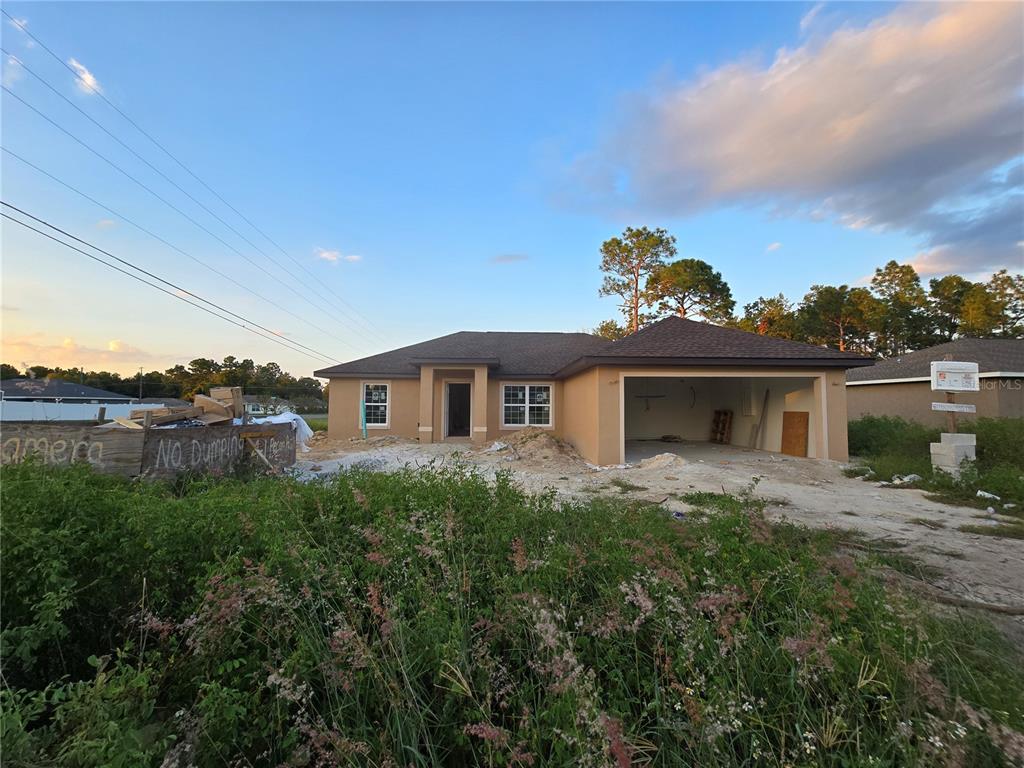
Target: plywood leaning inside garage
[795, 430]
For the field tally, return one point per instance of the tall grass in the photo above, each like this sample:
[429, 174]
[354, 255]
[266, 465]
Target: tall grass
[892, 446]
[429, 618]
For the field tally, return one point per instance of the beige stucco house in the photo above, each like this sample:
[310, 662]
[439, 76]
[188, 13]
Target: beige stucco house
[901, 386]
[675, 377]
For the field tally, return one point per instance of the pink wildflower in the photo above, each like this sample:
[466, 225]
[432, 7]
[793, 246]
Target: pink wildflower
[489, 733]
[618, 748]
[374, 597]
[518, 556]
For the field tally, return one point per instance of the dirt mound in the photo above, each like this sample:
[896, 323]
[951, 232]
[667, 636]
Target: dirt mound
[662, 461]
[534, 444]
[318, 437]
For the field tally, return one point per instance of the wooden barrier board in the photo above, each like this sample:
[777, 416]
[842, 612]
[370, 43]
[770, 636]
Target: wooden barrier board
[168, 452]
[155, 453]
[795, 430]
[116, 452]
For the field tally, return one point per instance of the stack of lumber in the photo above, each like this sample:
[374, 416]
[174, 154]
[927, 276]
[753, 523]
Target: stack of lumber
[223, 405]
[229, 398]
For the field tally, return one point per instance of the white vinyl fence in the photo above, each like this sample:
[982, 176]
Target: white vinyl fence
[30, 410]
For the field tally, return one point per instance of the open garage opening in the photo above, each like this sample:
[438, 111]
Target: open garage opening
[672, 413]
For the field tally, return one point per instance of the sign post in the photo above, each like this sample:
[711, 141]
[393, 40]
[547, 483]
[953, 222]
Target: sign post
[951, 377]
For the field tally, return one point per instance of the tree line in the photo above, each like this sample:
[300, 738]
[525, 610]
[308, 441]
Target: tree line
[895, 314]
[265, 380]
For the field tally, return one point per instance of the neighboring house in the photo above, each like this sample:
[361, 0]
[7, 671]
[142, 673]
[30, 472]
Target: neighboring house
[58, 400]
[668, 379]
[57, 391]
[262, 406]
[901, 386]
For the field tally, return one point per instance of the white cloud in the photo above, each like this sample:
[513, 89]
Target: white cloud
[773, 247]
[13, 71]
[808, 18]
[87, 82]
[106, 224]
[906, 123]
[118, 346]
[508, 258]
[335, 256]
[21, 25]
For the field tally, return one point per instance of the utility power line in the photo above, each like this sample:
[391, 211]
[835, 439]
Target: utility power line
[169, 204]
[163, 175]
[170, 245]
[358, 318]
[245, 323]
[156, 277]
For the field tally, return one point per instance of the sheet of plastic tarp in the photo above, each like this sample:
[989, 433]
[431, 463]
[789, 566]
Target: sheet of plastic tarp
[302, 430]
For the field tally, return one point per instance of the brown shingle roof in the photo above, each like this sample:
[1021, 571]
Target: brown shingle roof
[508, 353]
[677, 341]
[990, 354]
[48, 389]
[672, 341]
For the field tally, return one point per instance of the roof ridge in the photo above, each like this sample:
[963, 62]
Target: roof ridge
[728, 329]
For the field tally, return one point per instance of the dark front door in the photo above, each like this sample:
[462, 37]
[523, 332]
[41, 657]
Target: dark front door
[458, 410]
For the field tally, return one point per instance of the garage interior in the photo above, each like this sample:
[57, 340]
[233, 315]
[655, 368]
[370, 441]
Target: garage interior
[728, 410]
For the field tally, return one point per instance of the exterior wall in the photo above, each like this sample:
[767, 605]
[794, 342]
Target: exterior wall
[579, 410]
[835, 407]
[998, 398]
[406, 414]
[343, 408]
[592, 408]
[601, 392]
[609, 419]
[494, 415]
[681, 407]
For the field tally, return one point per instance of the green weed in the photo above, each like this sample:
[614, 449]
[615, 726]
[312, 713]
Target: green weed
[433, 618]
[890, 446]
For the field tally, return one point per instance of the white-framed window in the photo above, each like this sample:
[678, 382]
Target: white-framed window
[525, 405]
[377, 403]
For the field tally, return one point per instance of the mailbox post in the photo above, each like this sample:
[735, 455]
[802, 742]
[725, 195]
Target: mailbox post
[951, 377]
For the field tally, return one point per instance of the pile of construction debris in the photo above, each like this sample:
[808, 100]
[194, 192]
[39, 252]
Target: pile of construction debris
[534, 444]
[223, 406]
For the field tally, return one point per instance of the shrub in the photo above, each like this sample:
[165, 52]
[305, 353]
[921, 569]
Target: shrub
[1000, 442]
[892, 446]
[433, 618]
[878, 435]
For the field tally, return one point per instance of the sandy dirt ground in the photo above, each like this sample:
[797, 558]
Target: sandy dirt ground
[974, 567]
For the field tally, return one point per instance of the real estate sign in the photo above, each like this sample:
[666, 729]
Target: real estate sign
[949, 376]
[955, 407]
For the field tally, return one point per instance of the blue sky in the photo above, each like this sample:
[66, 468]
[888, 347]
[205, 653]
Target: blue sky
[474, 157]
